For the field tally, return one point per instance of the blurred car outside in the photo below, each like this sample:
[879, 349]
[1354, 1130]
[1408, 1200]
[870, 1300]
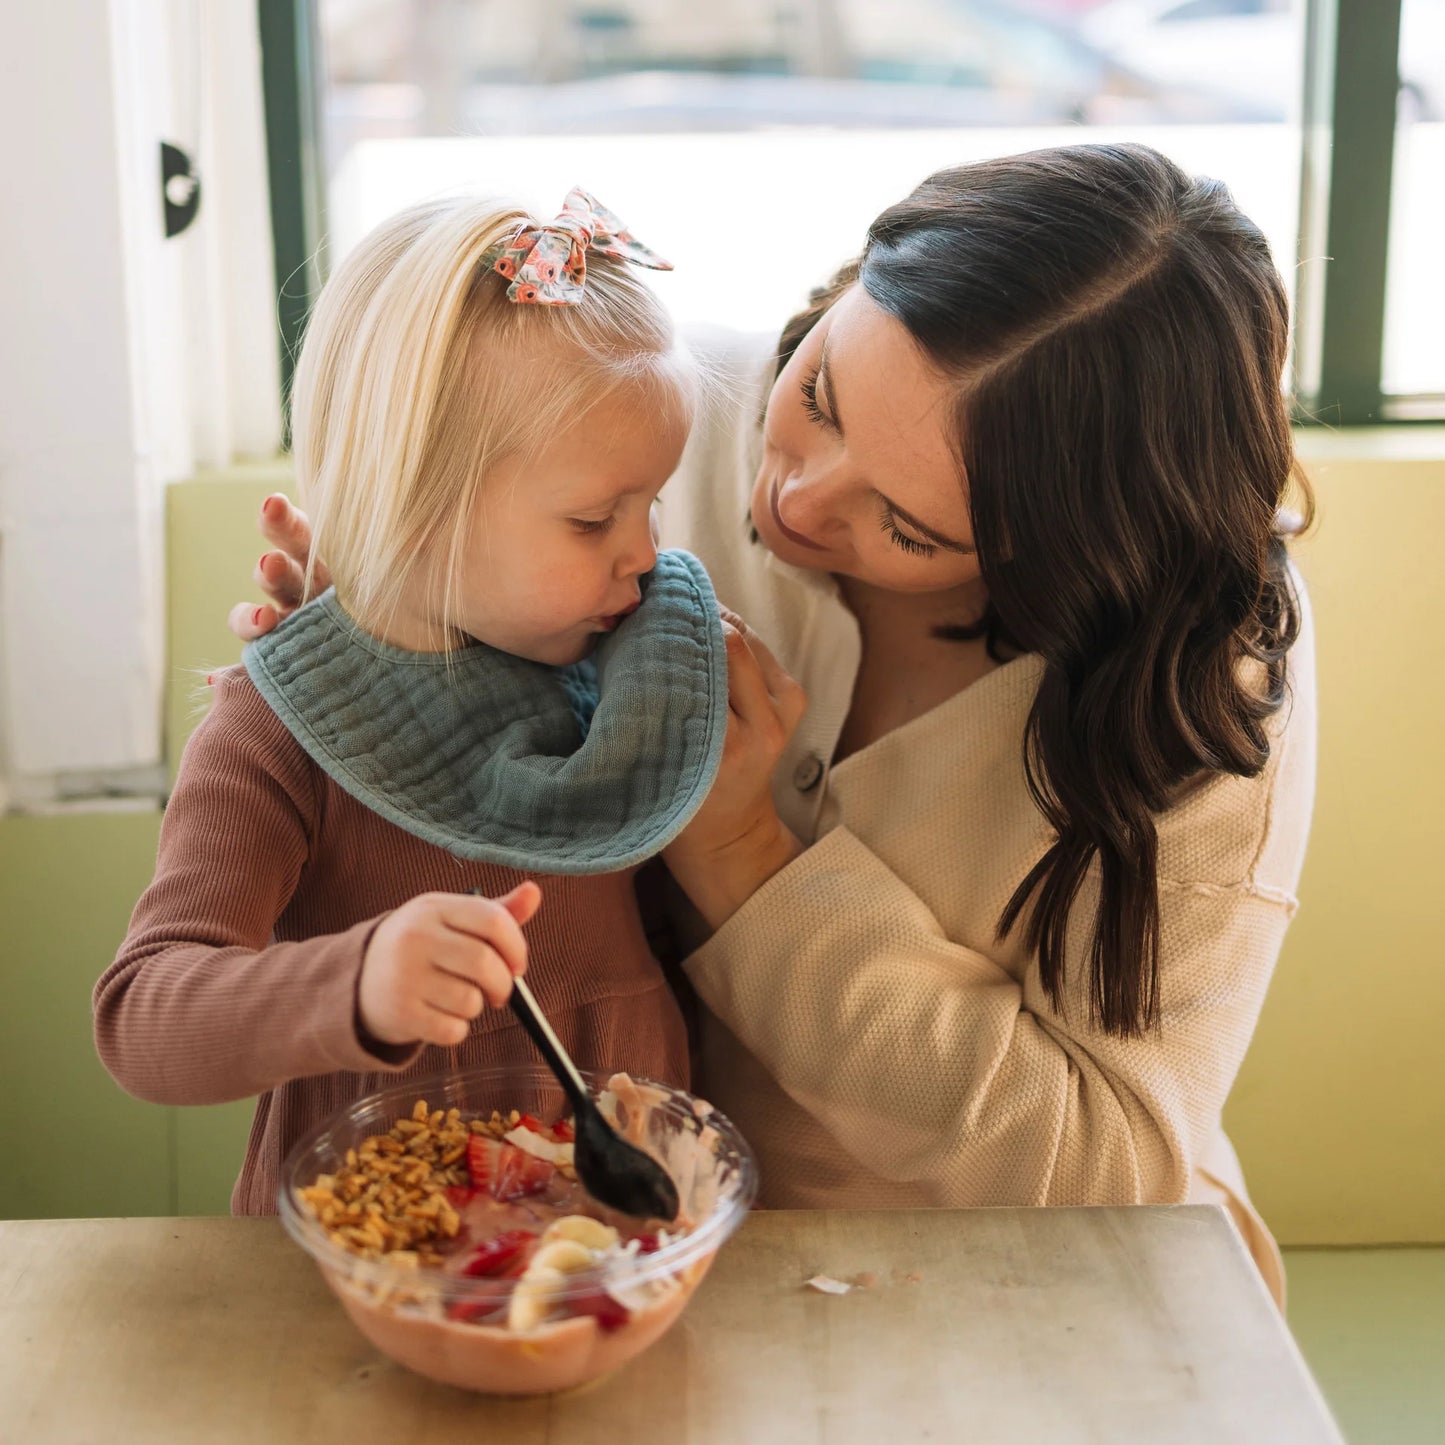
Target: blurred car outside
[476, 67]
[1250, 52]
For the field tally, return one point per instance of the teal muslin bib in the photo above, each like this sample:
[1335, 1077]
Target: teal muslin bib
[582, 769]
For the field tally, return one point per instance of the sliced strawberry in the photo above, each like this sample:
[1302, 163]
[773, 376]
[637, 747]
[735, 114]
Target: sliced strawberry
[648, 1243]
[459, 1195]
[520, 1174]
[483, 1152]
[536, 1174]
[563, 1132]
[530, 1121]
[609, 1313]
[483, 1302]
[495, 1255]
[503, 1170]
[464, 1311]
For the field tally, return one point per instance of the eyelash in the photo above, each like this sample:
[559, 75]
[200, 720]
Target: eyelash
[889, 523]
[594, 529]
[809, 387]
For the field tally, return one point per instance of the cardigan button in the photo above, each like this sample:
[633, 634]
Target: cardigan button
[808, 773]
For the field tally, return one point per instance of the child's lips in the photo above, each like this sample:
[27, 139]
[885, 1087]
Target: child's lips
[612, 619]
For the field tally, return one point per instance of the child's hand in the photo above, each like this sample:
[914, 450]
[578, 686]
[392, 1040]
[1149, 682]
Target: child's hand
[434, 964]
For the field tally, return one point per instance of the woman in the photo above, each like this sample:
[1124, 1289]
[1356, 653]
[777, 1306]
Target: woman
[991, 920]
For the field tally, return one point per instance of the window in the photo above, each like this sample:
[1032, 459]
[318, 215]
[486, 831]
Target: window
[1414, 355]
[806, 117]
[809, 116]
[1219, 9]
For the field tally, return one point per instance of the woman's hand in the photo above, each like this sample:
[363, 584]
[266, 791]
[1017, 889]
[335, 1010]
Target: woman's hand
[737, 841]
[280, 573]
[433, 965]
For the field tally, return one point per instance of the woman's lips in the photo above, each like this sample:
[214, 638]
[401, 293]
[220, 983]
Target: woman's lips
[783, 527]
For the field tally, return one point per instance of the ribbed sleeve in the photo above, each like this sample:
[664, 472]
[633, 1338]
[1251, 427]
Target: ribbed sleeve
[200, 1005]
[932, 1066]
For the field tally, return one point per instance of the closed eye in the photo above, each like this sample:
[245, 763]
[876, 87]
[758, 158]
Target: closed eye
[815, 413]
[594, 529]
[889, 523]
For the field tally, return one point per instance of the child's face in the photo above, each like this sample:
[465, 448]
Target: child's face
[559, 541]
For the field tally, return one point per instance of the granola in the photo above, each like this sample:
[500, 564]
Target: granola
[390, 1196]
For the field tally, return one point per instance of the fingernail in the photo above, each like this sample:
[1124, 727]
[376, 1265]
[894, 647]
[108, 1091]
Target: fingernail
[210, 679]
[261, 565]
[256, 616]
[268, 506]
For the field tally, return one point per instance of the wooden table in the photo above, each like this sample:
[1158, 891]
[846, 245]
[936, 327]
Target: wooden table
[1021, 1325]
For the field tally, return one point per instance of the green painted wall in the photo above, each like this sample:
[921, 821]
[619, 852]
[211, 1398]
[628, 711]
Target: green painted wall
[1339, 1111]
[212, 546]
[74, 1144]
[67, 886]
[1340, 1108]
[1371, 1323]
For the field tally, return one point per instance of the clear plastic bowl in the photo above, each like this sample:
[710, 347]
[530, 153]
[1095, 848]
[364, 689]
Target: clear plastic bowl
[403, 1312]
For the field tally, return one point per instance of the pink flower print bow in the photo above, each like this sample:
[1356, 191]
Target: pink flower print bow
[547, 265]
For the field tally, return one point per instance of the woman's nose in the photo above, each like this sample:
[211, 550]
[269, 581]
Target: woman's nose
[811, 503]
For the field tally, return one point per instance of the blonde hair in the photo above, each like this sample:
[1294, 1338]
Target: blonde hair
[417, 376]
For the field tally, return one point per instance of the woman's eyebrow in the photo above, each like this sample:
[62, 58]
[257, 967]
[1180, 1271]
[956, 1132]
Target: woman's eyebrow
[949, 544]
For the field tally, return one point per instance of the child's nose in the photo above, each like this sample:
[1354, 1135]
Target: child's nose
[640, 555]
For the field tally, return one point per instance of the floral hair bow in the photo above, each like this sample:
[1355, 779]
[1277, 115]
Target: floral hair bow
[547, 265]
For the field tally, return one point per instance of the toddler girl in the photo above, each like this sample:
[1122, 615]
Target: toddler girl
[506, 681]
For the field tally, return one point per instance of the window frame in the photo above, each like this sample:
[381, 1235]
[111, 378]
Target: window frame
[1348, 138]
[290, 52]
[1351, 98]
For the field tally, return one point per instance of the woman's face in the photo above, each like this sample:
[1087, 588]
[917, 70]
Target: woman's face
[858, 475]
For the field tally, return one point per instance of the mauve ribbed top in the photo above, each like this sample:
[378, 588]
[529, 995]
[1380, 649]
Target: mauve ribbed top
[238, 975]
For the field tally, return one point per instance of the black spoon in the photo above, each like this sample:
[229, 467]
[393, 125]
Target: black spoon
[615, 1172]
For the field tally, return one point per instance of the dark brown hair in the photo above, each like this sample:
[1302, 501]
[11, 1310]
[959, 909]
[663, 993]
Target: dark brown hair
[1118, 333]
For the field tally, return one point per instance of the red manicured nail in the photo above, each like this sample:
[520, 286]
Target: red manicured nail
[256, 617]
[210, 679]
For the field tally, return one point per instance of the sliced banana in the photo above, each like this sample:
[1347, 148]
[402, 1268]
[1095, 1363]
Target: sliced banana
[565, 1256]
[590, 1233]
[532, 1298]
[558, 1257]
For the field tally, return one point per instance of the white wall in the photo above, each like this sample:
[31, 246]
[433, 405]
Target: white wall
[121, 352]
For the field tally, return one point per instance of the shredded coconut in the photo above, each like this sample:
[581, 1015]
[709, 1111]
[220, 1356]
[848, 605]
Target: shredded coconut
[534, 1144]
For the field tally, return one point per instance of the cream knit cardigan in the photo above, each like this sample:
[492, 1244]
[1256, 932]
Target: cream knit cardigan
[864, 1026]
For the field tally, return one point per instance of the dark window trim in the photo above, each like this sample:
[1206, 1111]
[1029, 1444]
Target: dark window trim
[1352, 81]
[290, 52]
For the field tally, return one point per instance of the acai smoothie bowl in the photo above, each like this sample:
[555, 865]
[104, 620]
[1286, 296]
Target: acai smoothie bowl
[447, 1216]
